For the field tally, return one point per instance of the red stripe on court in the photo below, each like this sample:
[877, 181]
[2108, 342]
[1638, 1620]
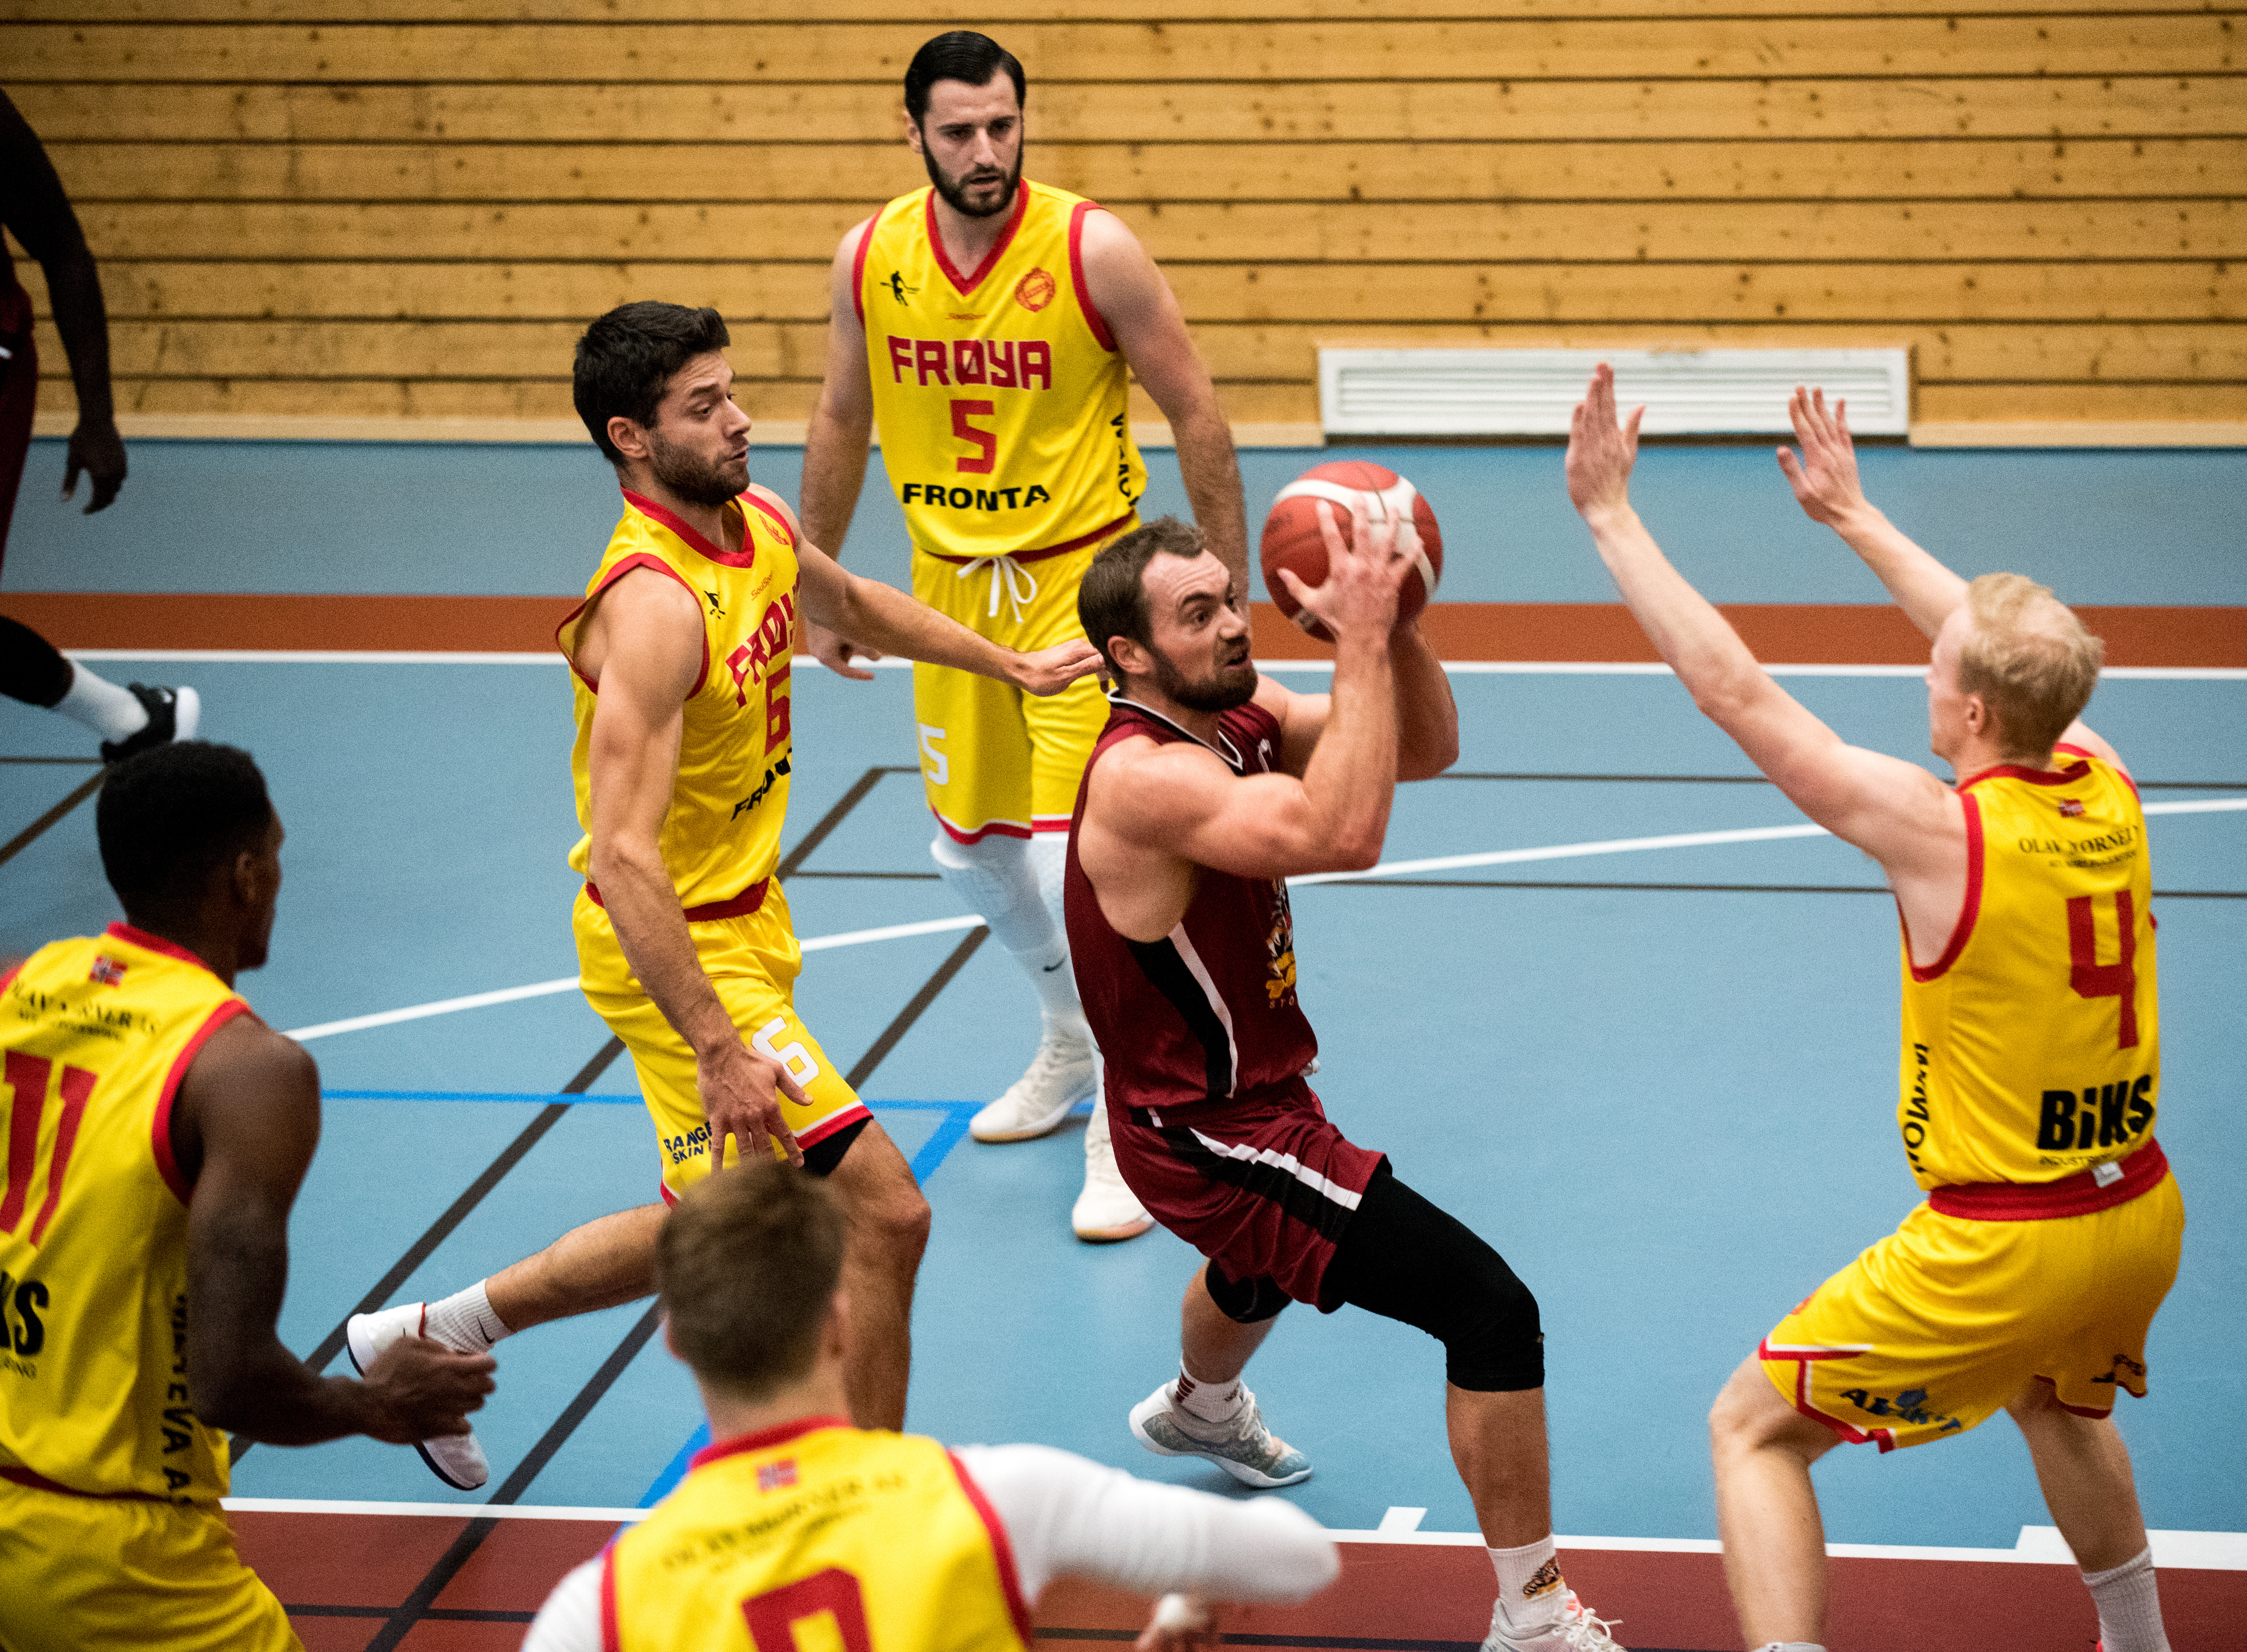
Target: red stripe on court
[1778, 633]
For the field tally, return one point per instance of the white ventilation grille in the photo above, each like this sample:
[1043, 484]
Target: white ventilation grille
[1530, 392]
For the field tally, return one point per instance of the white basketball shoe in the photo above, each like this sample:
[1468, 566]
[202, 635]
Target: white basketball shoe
[1577, 1631]
[1061, 1074]
[1107, 1211]
[1243, 1447]
[457, 1459]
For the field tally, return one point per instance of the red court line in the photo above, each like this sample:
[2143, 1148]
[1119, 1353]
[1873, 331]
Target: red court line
[1790, 633]
[1426, 1595]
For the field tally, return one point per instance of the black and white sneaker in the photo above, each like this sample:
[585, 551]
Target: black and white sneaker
[174, 714]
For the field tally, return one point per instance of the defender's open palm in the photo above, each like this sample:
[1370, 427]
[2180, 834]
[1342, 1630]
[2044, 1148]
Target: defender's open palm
[1051, 669]
[1825, 476]
[1601, 450]
[1364, 573]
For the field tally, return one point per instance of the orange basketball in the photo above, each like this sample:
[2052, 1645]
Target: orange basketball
[1292, 539]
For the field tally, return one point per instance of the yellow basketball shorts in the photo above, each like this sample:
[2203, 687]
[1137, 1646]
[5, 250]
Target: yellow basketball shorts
[994, 759]
[752, 962]
[90, 1575]
[1938, 1324]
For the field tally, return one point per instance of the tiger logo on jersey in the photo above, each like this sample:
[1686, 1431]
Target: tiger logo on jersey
[1280, 946]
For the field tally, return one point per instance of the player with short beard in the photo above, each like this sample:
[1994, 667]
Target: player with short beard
[993, 325]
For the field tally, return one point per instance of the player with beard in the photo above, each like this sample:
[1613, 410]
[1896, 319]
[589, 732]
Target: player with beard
[680, 655]
[1210, 787]
[991, 326]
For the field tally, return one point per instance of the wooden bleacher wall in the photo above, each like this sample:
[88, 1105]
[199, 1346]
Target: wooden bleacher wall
[302, 211]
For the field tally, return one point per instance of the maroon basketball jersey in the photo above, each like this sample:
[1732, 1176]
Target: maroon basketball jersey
[1208, 1012]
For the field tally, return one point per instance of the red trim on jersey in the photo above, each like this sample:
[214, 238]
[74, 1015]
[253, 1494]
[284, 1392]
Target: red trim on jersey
[1093, 318]
[638, 559]
[11, 974]
[1003, 828]
[1003, 1551]
[832, 1122]
[39, 1482]
[2078, 751]
[1128, 519]
[2079, 1410]
[2066, 777]
[148, 943]
[2078, 1195]
[1969, 910]
[739, 905]
[1802, 1359]
[745, 556]
[779, 521]
[967, 285]
[764, 1439]
[858, 270]
[160, 1129]
[612, 1638]
[664, 1188]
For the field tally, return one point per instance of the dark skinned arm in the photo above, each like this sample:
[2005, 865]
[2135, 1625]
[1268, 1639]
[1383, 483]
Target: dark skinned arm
[243, 1129]
[38, 214]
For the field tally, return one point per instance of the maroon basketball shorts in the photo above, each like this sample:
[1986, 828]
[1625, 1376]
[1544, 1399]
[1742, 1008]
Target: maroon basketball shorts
[1262, 1186]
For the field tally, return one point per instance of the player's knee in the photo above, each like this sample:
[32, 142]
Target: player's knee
[1250, 1302]
[1495, 1342]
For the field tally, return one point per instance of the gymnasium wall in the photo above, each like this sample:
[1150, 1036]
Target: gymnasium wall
[376, 209]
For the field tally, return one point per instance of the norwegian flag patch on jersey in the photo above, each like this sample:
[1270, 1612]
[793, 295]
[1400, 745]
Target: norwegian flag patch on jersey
[2070, 807]
[774, 1476]
[107, 970]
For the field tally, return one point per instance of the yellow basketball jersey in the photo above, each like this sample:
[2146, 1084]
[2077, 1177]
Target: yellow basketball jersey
[817, 1534]
[721, 839]
[1001, 398]
[95, 1035]
[2031, 1048]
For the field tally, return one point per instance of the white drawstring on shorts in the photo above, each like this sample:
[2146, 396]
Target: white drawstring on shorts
[1006, 572]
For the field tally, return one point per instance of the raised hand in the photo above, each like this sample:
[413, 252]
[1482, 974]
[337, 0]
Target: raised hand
[1825, 476]
[741, 1089]
[1601, 451]
[1364, 573]
[421, 1389]
[1051, 669]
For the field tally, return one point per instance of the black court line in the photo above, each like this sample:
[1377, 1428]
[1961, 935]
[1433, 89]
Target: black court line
[456, 1213]
[84, 763]
[913, 1011]
[30, 834]
[834, 816]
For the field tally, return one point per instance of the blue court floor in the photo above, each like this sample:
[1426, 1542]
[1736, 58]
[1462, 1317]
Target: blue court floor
[1660, 1081]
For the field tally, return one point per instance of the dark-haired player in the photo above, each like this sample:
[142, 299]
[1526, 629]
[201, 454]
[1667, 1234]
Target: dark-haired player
[898, 1543]
[1212, 786]
[38, 215]
[157, 1135]
[990, 326]
[680, 657]
[2030, 1062]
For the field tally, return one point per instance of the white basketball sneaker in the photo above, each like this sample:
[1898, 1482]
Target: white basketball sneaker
[1243, 1447]
[1061, 1074]
[1577, 1631]
[457, 1459]
[1107, 1211]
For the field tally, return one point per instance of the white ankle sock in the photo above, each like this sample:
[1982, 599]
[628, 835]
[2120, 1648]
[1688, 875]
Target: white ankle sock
[1530, 1592]
[113, 712]
[2129, 1606]
[464, 1321]
[1210, 1401]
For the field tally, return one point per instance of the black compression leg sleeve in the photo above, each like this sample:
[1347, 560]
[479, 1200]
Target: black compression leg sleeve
[1404, 1259]
[1250, 1302]
[31, 669]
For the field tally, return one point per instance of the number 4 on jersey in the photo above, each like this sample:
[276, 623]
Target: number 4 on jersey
[2092, 978]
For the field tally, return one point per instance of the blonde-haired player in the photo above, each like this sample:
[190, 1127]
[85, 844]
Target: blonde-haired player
[990, 326]
[156, 1133]
[2030, 1067]
[866, 1539]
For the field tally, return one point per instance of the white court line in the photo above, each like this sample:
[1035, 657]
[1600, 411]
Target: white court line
[2037, 1546]
[805, 662]
[1386, 869]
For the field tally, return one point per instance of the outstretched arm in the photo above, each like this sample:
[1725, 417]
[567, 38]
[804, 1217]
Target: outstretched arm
[243, 1128]
[1895, 811]
[1143, 317]
[1824, 477]
[835, 446]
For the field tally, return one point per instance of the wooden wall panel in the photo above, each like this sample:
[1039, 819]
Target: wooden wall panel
[409, 207]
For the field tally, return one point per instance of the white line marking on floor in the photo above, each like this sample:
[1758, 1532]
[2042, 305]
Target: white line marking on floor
[1386, 869]
[456, 1510]
[1402, 1520]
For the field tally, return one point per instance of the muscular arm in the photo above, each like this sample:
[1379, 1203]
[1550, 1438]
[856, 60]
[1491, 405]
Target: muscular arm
[835, 446]
[1143, 317]
[243, 1128]
[34, 208]
[1427, 716]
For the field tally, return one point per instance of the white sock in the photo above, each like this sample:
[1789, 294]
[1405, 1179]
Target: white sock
[996, 878]
[1210, 1401]
[113, 712]
[2129, 1606]
[464, 1321]
[1530, 1592]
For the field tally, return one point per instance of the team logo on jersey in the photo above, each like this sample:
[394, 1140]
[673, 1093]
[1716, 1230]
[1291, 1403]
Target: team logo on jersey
[107, 970]
[1911, 1406]
[2123, 1363]
[776, 1477]
[711, 597]
[2070, 807]
[899, 287]
[1279, 948]
[1035, 290]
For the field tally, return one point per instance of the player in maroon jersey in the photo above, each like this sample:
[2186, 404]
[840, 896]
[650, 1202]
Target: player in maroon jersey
[1209, 787]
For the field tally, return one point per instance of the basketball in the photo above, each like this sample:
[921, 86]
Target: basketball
[1292, 539]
